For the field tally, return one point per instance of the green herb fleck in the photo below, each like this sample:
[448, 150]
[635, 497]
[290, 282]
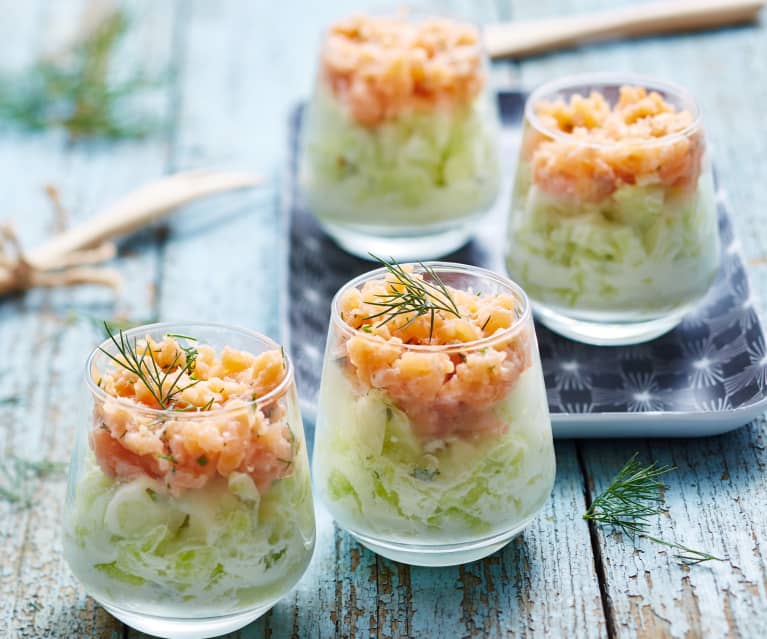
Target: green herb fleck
[273, 557]
[425, 474]
[180, 336]
[202, 460]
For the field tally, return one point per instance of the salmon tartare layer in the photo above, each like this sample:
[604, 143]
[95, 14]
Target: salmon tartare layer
[587, 148]
[210, 423]
[443, 391]
[383, 67]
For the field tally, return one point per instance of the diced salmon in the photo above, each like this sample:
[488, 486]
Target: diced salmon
[442, 393]
[185, 448]
[381, 67]
[607, 147]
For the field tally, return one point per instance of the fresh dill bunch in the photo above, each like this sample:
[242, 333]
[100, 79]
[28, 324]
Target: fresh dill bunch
[634, 497]
[153, 376]
[16, 472]
[74, 92]
[412, 296]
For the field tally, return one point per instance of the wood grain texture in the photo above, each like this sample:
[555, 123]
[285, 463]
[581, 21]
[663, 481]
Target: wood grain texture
[40, 597]
[238, 66]
[716, 503]
[716, 497]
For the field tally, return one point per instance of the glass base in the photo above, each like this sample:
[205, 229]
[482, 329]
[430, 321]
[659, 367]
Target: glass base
[404, 247]
[439, 555]
[178, 628]
[606, 333]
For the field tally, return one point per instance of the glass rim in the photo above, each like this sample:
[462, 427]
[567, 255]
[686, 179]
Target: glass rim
[613, 79]
[264, 400]
[520, 321]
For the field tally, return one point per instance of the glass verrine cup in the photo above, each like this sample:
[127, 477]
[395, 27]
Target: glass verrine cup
[433, 451]
[400, 148]
[613, 223]
[189, 509]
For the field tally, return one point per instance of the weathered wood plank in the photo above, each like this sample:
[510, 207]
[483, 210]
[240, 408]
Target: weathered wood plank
[545, 582]
[716, 496]
[716, 503]
[40, 596]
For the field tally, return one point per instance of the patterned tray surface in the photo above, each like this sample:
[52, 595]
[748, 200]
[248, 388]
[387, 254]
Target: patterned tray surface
[711, 370]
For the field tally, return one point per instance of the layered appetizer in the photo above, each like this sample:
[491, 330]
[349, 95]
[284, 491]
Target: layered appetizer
[433, 432]
[613, 214]
[400, 139]
[191, 497]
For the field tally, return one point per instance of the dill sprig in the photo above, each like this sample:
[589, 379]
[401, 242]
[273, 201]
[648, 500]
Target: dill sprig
[413, 296]
[631, 498]
[153, 376]
[634, 497]
[74, 91]
[16, 472]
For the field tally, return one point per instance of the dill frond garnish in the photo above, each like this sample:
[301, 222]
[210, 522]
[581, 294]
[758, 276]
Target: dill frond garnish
[73, 91]
[16, 472]
[632, 498]
[161, 381]
[412, 296]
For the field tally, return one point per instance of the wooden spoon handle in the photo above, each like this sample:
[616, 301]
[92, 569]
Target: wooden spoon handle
[517, 39]
[136, 210]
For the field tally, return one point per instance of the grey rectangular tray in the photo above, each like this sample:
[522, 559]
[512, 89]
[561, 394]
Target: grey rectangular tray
[705, 377]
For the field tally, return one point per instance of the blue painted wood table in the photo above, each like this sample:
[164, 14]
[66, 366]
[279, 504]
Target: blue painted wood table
[236, 68]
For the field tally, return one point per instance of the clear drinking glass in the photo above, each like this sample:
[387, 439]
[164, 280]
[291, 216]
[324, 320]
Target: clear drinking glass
[399, 152]
[439, 453]
[194, 520]
[613, 224]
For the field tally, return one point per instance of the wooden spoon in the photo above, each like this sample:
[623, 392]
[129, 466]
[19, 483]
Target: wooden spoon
[518, 39]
